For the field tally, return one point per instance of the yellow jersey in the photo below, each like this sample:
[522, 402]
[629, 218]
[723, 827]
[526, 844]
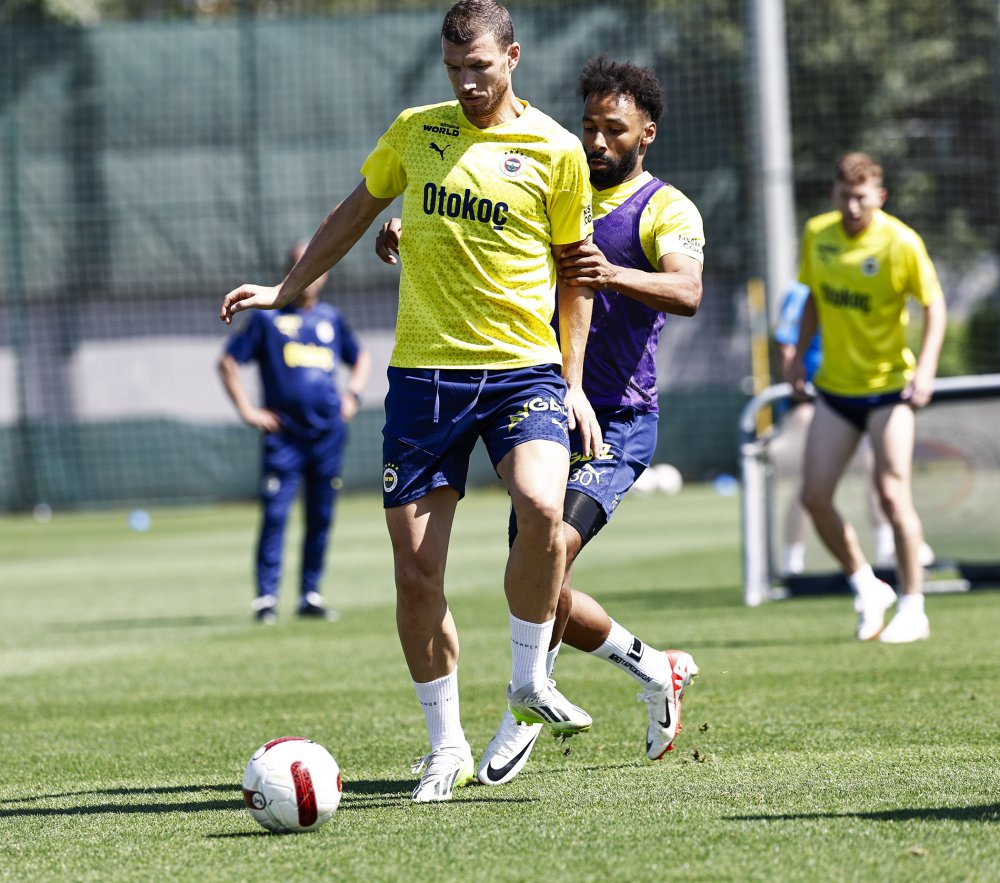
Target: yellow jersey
[860, 287]
[482, 209]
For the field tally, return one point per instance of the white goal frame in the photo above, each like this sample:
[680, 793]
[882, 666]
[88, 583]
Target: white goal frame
[761, 581]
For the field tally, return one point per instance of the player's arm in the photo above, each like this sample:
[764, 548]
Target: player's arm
[675, 288]
[808, 325]
[576, 304]
[232, 380]
[335, 237]
[350, 402]
[920, 389]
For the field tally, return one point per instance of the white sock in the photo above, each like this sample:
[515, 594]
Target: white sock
[910, 604]
[624, 650]
[794, 558]
[439, 700]
[885, 543]
[863, 580]
[550, 659]
[529, 642]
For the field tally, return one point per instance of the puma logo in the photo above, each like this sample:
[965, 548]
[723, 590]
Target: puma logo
[440, 150]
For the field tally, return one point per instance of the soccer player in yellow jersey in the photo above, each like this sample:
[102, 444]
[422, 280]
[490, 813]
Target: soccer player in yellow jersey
[493, 192]
[645, 261]
[861, 265]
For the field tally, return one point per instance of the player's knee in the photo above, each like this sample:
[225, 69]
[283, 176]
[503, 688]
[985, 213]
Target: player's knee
[418, 581]
[815, 499]
[894, 499]
[539, 514]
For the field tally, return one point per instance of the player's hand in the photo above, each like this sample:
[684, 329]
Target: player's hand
[582, 418]
[585, 264]
[262, 419]
[387, 241]
[247, 297]
[919, 391]
[795, 374]
[349, 407]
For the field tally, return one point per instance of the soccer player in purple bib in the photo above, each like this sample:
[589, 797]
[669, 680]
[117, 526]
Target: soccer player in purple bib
[645, 261]
[494, 191]
[303, 422]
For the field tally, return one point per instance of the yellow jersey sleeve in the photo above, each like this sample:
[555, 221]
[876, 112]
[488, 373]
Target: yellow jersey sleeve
[570, 204]
[675, 226]
[916, 273]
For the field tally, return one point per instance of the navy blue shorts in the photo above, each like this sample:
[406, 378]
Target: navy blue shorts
[434, 416]
[629, 444]
[856, 409]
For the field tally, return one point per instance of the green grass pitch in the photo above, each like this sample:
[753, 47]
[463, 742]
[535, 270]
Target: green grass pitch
[134, 687]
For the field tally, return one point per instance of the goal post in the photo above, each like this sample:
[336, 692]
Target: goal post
[956, 474]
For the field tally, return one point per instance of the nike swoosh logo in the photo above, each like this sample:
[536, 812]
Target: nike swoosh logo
[665, 723]
[496, 775]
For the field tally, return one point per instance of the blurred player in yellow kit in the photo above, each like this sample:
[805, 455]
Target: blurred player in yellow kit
[861, 265]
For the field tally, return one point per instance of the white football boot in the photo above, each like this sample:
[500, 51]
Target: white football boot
[447, 768]
[905, 627]
[549, 707]
[509, 750]
[871, 606]
[665, 704]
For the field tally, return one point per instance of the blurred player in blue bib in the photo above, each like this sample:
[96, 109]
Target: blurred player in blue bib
[304, 425]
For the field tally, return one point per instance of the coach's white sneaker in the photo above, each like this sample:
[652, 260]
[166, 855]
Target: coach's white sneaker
[509, 751]
[665, 704]
[871, 605]
[549, 707]
[906, 626]
[447, 768]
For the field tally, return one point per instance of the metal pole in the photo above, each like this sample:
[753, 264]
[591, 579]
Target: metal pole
[769, 76]
[24, 449]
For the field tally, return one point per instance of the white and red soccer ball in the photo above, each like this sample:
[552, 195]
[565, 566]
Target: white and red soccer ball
[292, 784]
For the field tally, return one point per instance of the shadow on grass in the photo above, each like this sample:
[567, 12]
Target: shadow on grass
[166, 789]
[986, 813]
[8, 811]
[371, 793]
[364, 794]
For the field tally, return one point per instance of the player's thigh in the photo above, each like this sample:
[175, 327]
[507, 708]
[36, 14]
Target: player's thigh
[420, 532]
[893, 432]
[830, 444]
[535, 474]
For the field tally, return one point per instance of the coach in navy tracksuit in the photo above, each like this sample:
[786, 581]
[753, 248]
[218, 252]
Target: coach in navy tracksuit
[303, 421]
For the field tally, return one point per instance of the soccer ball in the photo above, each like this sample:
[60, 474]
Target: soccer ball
[668, 479]
[292, 784]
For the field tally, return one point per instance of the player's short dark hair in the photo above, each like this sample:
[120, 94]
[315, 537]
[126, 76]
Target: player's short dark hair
[859, 168]
[602, 76]
[469, 19]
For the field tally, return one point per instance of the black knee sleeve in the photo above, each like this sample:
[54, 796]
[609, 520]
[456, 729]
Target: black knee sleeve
[584, 514]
